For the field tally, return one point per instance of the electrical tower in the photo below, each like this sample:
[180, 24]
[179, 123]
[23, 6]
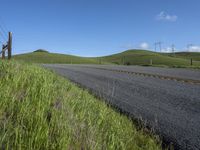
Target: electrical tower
[173, 49]
[159, 45]
[189, 46]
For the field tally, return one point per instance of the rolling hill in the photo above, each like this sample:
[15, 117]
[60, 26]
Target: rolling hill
[143, 57]
[187, 55]
[43, 56]
[129, 57]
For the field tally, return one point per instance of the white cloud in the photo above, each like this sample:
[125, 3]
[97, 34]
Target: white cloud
[194, 48]
[166, 17]
[144, 45]
[167, 50]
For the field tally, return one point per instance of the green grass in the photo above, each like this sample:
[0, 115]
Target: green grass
[44, 57]
[142, 57]
[40, 110]
[132, 57]
[187, 55]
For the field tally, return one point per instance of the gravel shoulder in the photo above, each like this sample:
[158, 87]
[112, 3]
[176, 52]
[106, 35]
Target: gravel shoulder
[171, 109]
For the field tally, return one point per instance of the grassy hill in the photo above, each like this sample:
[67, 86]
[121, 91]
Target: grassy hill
[187, 55]
[130, 57]
[46, 57]
[143, 57]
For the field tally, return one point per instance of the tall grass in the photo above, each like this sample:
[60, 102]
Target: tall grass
[40, 110]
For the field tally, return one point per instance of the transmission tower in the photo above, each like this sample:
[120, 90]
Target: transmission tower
[173, 49]
[189, 46]
[159, 45]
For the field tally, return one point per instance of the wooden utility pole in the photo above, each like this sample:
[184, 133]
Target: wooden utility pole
[9, 45]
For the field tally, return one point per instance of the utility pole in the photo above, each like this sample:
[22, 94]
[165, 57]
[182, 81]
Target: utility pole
[9, 45]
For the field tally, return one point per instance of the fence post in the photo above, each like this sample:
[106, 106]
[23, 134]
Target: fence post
[191, 62]
[3, 52]
[123, 60]
[151, 62]
[9, 45]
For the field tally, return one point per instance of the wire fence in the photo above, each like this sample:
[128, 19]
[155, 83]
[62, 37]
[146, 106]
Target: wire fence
[5, 41]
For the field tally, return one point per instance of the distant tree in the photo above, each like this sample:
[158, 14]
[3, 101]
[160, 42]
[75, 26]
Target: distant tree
[41, 50]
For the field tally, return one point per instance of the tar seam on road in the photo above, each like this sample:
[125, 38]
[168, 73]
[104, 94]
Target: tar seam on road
[190, 81]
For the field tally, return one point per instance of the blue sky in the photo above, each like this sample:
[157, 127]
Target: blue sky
[101, 27]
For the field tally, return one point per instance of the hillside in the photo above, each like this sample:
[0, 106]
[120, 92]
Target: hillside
[130, 57]
[187, 55]
[143, 57]
[46, 57]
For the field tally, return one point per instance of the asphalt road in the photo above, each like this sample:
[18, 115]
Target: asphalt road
[169, 106]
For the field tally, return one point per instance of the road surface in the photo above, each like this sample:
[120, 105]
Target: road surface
[167, 100]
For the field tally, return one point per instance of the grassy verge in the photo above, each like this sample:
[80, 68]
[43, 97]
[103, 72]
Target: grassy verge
[40, 110]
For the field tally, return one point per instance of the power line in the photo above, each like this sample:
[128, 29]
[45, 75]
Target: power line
[0, 41]
[3, 25]
[173, 49]
[159, 45]
[3, 36]
[2, 29]
[189, 46]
